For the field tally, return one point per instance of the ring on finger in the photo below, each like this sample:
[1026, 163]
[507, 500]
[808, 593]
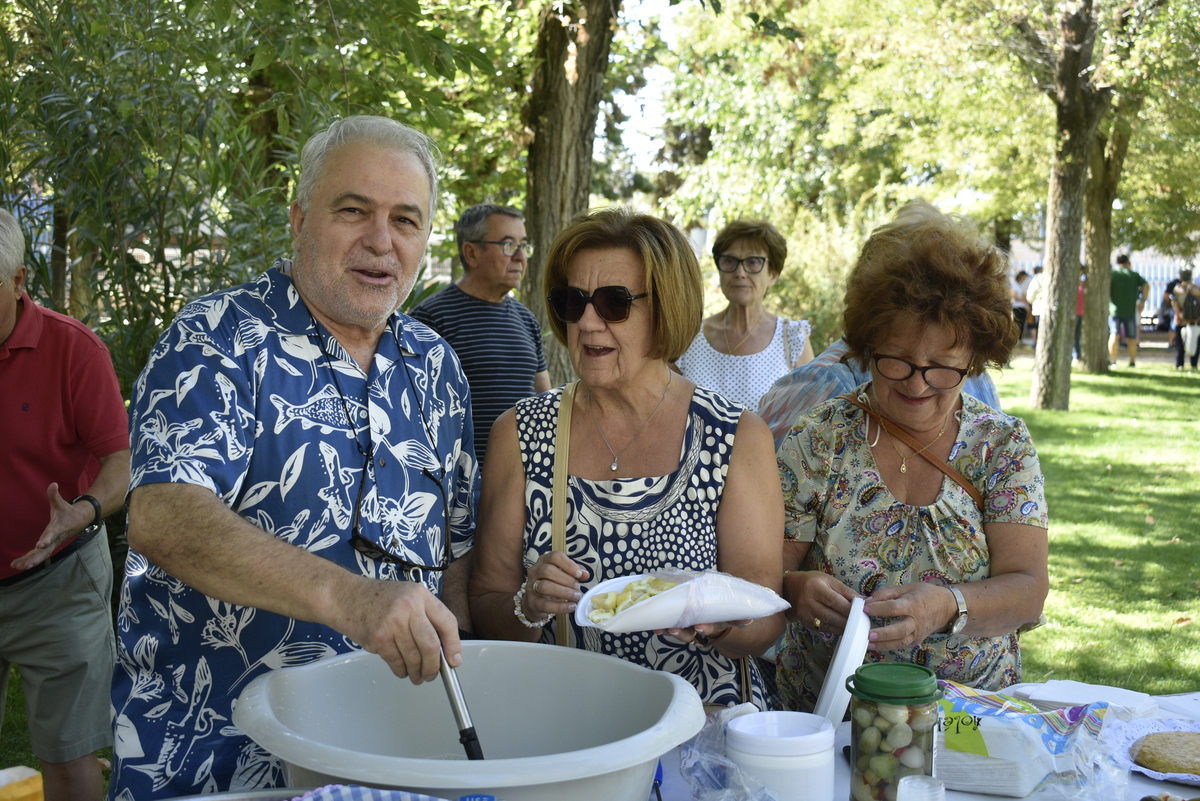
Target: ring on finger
[816, 622]
[536, 588]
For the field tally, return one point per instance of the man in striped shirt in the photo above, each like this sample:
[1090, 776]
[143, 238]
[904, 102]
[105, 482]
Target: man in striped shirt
[498, 341]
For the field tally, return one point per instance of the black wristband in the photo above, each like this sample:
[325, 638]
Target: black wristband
[95, 505]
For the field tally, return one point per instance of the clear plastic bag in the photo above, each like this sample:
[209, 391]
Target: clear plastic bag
[999, 744]
[712, 775]
[707, 597]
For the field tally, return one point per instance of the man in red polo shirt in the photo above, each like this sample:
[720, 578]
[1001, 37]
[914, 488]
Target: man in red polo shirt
[65, 435]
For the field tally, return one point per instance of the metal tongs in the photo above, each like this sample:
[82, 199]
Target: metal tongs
[466, 730]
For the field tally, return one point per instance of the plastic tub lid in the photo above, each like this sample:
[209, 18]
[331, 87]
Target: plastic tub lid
[895, 683]
[780, 733]
[847, 656]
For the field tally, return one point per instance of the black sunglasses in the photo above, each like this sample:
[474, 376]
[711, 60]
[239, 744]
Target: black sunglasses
[372, 550]
[612, 303]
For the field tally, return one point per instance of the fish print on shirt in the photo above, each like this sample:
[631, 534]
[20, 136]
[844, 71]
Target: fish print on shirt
[325, 411]
[239, 397]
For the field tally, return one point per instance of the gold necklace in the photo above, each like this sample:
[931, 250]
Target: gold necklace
[617, 456]
[741, 341]
[904, 459]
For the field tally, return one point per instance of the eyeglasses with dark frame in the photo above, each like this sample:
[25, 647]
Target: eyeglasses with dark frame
[508, 247]
[373, 550]
[358, 542]
[730, 264]
[937, 376]
[612, 303]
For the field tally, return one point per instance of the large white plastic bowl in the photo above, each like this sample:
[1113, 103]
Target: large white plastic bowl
[554, 723]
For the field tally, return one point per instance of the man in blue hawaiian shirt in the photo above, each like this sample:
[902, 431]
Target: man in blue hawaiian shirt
[303, 475]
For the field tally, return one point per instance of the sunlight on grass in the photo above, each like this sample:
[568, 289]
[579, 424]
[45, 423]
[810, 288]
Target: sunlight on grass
[1122, 481]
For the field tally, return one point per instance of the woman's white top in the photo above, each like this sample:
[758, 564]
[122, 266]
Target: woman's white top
[745, 379]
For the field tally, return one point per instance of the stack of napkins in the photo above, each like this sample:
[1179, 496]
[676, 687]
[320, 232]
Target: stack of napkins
[1056, 694]
[1011, 766]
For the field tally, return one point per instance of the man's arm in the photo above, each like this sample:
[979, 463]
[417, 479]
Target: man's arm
[67, 519]
[541, 382]
[188, 531]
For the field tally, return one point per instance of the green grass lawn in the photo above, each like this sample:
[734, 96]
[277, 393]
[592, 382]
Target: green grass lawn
[1123, 486]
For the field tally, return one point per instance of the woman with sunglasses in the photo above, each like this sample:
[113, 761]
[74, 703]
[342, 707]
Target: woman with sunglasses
[741, 350]
[948, 578]
[662, 474]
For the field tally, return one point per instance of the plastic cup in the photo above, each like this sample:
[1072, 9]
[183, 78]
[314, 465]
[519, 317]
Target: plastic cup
[920, 788]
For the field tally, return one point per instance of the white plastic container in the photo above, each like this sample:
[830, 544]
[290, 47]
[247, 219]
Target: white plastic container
[920, 788]
[554, 723]
[789, 752]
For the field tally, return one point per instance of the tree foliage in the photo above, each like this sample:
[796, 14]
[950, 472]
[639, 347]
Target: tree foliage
[824, 116]
[151, 146]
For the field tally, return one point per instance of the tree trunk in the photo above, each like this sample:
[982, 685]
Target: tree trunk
[58, 256]
[1079, 105]
[1003, 231]
[1107, 161]
[83, 257]
[571, 55]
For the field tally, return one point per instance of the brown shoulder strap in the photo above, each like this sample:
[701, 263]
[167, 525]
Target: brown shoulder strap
[902, 435]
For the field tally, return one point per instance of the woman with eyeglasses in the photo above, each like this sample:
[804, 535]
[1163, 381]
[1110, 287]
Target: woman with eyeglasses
[948, 578]
[662, 473]
[743, 349]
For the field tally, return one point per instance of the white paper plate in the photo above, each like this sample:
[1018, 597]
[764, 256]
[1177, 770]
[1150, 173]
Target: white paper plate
[847, 656]
[660, 612]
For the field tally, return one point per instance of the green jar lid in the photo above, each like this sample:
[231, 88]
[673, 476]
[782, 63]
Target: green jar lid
[894, 683]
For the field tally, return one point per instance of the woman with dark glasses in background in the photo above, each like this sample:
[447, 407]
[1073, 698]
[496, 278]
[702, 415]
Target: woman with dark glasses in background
[662, 473]
[743, 349]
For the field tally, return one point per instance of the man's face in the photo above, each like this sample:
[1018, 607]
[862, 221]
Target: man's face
[10, 303]
[359, 245]
[487, 263]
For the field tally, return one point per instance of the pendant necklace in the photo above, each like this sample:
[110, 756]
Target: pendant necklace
[741, 341]
[904, 459]
[617, 456]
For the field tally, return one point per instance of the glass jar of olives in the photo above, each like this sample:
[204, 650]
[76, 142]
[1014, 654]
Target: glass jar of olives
[893, 712]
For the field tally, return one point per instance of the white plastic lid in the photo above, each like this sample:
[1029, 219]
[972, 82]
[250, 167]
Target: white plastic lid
[847, 657]
[780, 733]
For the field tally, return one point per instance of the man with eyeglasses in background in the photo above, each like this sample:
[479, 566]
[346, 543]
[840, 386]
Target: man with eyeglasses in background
[498, 340]
[303, 475]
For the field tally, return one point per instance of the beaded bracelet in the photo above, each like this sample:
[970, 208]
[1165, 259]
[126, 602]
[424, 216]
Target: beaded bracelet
[517, 599]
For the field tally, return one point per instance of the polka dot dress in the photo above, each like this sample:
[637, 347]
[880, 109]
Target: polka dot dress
[625, 526]
[744, 379]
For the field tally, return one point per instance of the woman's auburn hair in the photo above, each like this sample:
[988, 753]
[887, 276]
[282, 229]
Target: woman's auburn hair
[927, 268]
[672, 273]
[758, 232]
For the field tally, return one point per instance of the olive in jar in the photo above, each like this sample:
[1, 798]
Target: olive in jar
[893, 713]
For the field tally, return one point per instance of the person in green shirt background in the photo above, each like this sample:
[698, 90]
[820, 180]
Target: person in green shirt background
[1128, 293]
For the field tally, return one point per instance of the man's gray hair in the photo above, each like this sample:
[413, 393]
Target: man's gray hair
[12, 246]
[365, 129]
[472, 225]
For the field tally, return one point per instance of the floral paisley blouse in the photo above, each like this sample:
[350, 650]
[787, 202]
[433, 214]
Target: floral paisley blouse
[836, 499]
